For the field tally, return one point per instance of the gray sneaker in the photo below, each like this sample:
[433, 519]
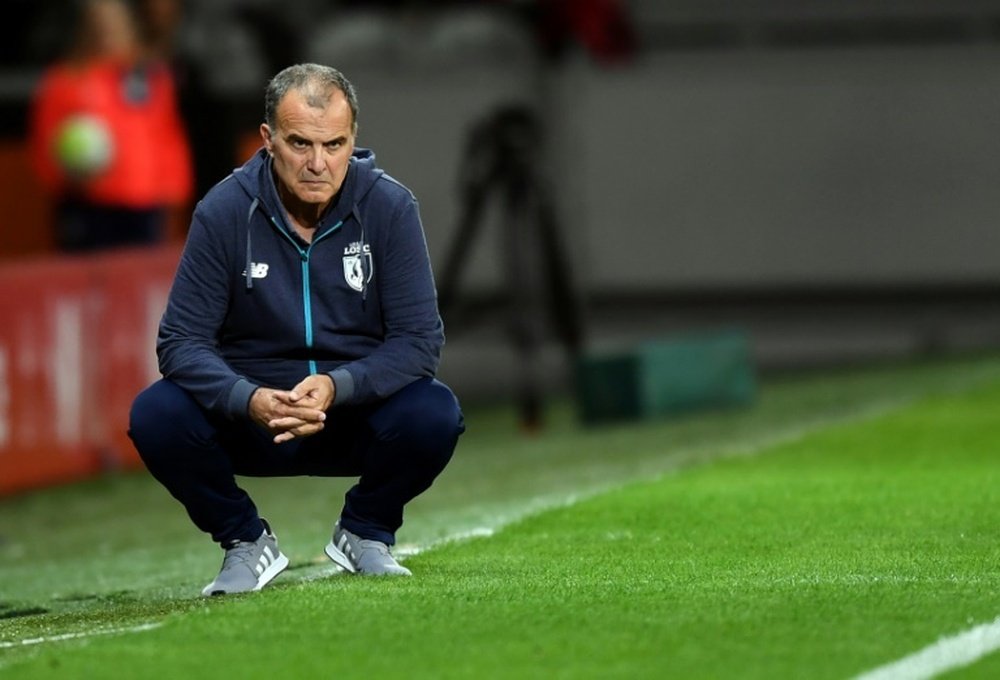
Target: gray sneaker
[362, 556]
[248, 565]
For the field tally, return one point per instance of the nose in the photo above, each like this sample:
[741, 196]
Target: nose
[316, 162]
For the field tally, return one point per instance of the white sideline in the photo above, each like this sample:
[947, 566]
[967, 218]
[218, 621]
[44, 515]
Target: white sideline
[411, 549]
[947, 654]
[83, 634]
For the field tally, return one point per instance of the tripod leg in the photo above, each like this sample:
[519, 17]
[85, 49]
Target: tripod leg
[477, 172]
[525, 303]
[565, 303]
[461, 246]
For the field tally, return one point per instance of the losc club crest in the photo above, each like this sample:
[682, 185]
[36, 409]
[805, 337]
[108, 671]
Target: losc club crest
[358, 268]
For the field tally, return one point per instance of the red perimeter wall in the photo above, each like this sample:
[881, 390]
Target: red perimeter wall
[77, 341]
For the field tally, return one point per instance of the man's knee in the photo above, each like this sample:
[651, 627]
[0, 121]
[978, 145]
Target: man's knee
[160, 415]
[426, 415]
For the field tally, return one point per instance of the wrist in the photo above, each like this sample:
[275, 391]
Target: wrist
[238, 404]
[343, 385]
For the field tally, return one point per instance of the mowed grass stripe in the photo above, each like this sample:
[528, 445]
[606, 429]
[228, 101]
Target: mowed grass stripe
[828, 556]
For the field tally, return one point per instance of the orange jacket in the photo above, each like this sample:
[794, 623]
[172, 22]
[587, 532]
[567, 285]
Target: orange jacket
[151, 159]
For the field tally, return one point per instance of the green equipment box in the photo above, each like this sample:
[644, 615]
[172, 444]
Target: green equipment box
[686, 373]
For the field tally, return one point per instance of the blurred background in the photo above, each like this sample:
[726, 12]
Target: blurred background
[821, 176]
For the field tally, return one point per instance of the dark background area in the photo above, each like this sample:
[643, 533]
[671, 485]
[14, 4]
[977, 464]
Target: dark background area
[821, 174]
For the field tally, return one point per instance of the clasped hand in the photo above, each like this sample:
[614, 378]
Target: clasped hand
[298, 412]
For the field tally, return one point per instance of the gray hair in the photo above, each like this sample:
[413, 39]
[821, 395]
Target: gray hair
[316, 83]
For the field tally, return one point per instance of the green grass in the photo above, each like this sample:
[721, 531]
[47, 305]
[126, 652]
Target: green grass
[862, 528]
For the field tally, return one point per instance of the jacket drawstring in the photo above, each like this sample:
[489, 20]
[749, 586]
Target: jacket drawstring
[364, 273]
[248, 272]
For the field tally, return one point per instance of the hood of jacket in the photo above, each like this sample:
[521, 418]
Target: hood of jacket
[256, 178]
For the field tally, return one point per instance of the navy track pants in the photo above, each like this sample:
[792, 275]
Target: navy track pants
[397, 447]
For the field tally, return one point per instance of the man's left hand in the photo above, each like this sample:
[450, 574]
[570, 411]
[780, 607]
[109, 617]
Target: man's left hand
[314, 392]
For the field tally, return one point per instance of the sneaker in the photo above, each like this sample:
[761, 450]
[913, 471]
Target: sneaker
[248, 565]
[362, 556]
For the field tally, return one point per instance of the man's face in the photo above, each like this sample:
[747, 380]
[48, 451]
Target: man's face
[311, 148]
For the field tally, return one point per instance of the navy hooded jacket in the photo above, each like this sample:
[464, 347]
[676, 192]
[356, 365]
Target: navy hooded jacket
[252, 304]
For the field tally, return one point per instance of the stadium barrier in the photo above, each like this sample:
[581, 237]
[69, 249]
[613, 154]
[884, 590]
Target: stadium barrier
[668, 376]
[77, 341]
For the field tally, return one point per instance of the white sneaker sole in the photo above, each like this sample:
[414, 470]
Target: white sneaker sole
[339, 558]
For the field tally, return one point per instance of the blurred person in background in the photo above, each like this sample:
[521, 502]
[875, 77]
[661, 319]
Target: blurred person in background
[106, 137]
[210, 119]
[301, 337]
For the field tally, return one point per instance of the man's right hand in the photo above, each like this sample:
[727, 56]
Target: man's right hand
[276, 410]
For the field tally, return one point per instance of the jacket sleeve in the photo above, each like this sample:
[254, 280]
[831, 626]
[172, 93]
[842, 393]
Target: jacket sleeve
[187, 344]
[414, 333]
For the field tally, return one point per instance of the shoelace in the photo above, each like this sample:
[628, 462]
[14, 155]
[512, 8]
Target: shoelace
[240, 553]
[377, 546]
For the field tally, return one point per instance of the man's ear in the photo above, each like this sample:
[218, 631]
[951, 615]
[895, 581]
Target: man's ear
[265, 135]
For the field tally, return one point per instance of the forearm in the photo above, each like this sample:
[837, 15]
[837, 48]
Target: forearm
[201, 371]
[187, 346]
[401, 360]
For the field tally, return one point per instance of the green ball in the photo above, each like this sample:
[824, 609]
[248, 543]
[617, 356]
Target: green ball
[83, 146]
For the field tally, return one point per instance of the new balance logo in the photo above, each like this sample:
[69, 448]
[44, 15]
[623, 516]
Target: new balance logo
[258, 270]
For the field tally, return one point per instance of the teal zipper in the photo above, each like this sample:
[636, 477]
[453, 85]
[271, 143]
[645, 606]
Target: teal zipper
[306, 292]
[307, 307]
